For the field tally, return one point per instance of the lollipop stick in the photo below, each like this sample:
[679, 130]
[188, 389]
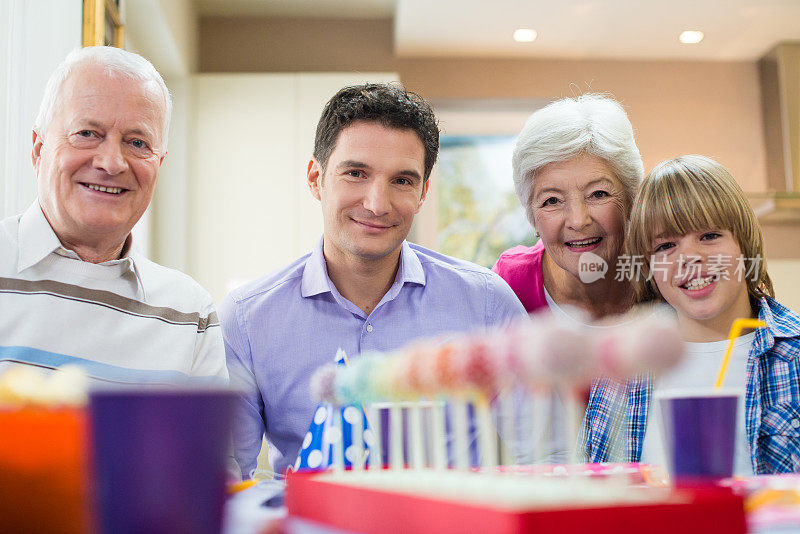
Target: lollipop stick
[439, 435]
[396, 436]
[575, 411]
[487, 433]
[508, 452]
[736, 329]
[460, 430]
[541, 420]
[374, 459]
[416, 439]
[357, 442]
[337, 437]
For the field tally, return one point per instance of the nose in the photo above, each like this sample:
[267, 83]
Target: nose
[376, 198]
[109, 157]
[578, 216]
[689, 253]
[690, 261]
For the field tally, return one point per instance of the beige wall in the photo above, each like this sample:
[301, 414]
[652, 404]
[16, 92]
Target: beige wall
[785, 274]
[677, 107]
[295, 45]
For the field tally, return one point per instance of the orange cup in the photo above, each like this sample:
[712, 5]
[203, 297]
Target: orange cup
[43, 458]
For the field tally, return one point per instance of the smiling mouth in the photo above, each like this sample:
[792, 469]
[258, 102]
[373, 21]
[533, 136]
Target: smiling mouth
[696, 284]
[372, 225]
[584, 242]
[104, 189]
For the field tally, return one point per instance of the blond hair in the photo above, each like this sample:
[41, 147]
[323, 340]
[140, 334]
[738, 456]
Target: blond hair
[692, 194]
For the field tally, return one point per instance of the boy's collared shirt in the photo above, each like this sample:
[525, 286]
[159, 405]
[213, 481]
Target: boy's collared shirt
[772, 402]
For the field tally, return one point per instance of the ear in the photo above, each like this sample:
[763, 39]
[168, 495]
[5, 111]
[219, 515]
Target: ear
[424, 195]
[36, 152]
[314, 177]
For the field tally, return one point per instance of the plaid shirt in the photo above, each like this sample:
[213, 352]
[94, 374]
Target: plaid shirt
[772, 402]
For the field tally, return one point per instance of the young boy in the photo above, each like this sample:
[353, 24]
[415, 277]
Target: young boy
[702, 252]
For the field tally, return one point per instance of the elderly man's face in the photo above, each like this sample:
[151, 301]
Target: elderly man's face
[98, 161]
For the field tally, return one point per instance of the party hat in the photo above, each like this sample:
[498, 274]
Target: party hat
[337, 436]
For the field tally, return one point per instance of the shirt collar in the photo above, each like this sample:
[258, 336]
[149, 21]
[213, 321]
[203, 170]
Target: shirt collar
[411, 270]
[781, 323]
[37, 240]
[316, 279]
[315, 274]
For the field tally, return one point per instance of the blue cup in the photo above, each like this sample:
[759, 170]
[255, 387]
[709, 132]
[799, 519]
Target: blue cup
[700, 434]
[159, 459]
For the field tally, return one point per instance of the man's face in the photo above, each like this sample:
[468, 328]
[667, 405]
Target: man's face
[98, 161]
[371, 190]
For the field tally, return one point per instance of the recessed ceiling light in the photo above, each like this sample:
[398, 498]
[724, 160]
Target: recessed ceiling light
[691, 37]
[524, 35]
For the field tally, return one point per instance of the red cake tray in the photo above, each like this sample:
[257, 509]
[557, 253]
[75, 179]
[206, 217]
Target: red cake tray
[369, 511]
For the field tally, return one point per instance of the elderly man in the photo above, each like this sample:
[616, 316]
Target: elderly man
[363, 287]
[73, 289]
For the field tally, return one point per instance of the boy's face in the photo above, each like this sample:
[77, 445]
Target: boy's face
[703, 276]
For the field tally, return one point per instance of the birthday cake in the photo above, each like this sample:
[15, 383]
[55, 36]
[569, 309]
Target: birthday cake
[413, 435]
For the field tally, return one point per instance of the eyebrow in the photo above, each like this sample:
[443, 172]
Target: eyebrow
[604, 179]
[134, 131]
[598, 180]
[410, 173]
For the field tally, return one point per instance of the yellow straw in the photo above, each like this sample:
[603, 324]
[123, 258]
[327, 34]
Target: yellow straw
[736, 329]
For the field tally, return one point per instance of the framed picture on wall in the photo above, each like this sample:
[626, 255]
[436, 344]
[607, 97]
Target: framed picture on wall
[102, 23]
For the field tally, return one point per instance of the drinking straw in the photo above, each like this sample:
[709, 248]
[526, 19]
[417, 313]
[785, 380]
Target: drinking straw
[736, 328]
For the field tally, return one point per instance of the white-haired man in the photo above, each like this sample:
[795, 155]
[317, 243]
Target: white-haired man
[72, 288]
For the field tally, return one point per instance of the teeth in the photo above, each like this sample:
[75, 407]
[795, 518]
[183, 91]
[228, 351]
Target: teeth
[698, 283]
[112, 190]
[583, 243]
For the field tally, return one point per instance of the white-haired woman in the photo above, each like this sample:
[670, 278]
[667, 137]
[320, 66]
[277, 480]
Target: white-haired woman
[576, 170]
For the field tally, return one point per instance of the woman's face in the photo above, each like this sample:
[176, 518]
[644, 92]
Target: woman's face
[579, 206]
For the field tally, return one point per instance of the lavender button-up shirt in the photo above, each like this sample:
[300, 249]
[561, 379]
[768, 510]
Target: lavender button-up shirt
[280, 328]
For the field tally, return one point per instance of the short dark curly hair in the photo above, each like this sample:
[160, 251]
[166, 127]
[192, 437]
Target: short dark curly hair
[387, 103]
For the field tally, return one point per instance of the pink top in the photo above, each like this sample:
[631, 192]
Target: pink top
[521, 268]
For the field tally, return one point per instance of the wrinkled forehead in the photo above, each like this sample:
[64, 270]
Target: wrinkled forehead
[95, 92]
[576, 173]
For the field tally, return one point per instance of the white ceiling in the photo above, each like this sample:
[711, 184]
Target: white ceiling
[734, 29]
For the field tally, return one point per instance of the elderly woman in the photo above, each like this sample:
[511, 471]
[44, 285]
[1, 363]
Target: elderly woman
[576, 169]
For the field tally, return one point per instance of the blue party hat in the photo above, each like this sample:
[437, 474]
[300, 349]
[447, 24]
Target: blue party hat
[336, 434]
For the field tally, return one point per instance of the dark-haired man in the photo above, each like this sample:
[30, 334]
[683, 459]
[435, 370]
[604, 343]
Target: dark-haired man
[364, 287]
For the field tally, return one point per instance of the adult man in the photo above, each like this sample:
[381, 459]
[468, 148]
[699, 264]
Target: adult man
[364, 287]
[72, 287]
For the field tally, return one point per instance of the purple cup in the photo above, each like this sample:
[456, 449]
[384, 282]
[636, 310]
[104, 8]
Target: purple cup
[699, 433]
[159, 459]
